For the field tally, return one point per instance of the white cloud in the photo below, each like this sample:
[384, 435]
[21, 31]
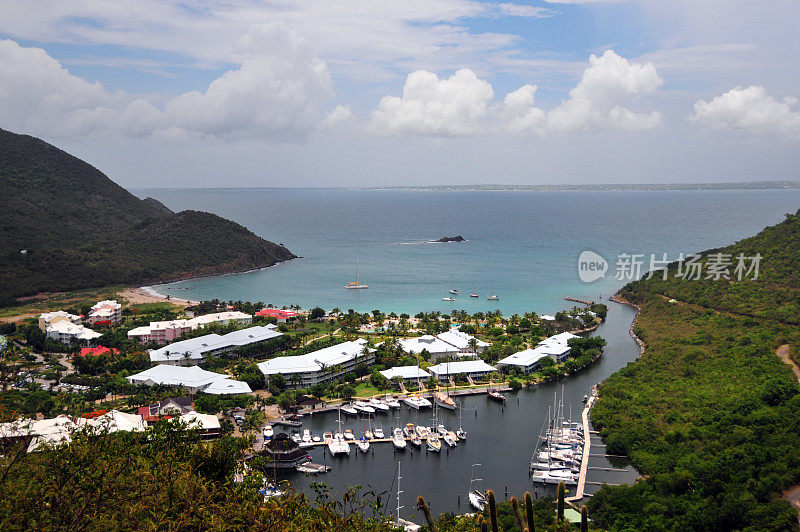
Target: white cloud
[748, 109]
[339, 115]
[434, 107]
[38, 94]
[462, 104]
[277, 91]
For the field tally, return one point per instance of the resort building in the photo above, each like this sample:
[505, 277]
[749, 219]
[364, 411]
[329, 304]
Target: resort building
[167, 409]
[281, 315]
[433, 345]
[52, 317]
[194, 350]
[162, 332]
[462, 341]
[108, 310]
[325, 365]
[526, 361]
[530, 360]
[65, 331]
[470, 368]
[409, 374]
[96, 351]
[205, 424]
[193, 379]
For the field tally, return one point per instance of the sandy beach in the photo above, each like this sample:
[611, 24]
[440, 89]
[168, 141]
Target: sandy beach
[145, 294]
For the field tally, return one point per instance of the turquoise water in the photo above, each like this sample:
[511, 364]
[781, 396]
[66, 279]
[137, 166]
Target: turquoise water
[524, 244]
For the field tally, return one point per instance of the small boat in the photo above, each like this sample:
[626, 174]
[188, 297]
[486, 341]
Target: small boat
[434, 444]
[268, 432]
[497, 396]
[421, 432]
[306, 436]
[327, 437]
[338, 445]
[391, 402]
[492, 297]
[555, 476]
[477, 500]
[363, 445]
[368, 434]
[316, 439]
[357, 284]
[378, 405]
[398, 440]
[363, 407]
[448, 299]
[585, 399]
[269, 491]
[473, 294]
[347, 409]
[409, 430]
[416, 402]
[444, 401]
[449, 440]
[297, 439]
[348, 434]
[462, 435]
[453, 291]
[415, 440]
[378, 433]
[440, 430]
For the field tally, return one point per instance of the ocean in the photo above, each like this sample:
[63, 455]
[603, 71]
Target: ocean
[521, 246]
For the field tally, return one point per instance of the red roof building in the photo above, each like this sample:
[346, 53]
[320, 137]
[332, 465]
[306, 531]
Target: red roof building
[95, 351]
[281, 315]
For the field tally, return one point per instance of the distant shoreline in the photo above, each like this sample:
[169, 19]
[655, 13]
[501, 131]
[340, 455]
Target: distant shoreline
[732, 185]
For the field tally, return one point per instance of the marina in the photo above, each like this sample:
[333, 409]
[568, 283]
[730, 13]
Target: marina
[500, 435]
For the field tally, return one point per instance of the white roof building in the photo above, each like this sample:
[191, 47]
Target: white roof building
[165, 331]
[193, 350]
[407, 373]
[320, 366]
[527, 361]
[222, 318]
[554, 347]
[116, 421]
[461, 340]
[203, 422]
[193, 378]
[472, 368]
[436, 347]
[108, 310]
[64, 331]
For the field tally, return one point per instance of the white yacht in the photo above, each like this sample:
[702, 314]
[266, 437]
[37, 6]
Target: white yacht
[398, 440]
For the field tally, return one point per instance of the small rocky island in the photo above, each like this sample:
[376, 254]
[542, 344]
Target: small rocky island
[458, 238]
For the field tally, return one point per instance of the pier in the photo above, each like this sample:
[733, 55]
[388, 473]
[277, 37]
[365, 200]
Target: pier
[587, 445]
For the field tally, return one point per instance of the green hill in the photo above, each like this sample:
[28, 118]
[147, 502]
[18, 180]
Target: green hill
[709, 413]
[79, 229]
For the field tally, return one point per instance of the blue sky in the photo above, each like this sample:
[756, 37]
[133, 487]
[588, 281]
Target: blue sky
[319, 93]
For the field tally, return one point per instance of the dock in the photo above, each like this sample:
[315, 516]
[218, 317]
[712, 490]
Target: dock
[311, 468]
[587, 445]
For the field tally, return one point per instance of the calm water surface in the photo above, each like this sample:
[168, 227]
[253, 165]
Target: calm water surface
[523, 245]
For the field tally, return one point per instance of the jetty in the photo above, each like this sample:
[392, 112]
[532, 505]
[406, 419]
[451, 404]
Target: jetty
[576, 300]
[587, 446]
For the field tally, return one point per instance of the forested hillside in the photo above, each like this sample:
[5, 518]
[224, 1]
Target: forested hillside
[709, 414]
[80, 229]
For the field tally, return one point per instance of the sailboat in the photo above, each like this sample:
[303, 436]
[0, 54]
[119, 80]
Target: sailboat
[453, 289]
[473, 294]
[356, 285]
[461, 433]
[493, 297]
[399, 521]
[338, 445]
[476, 497]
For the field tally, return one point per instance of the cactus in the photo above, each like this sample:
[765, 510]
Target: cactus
[492, 510]
[529, 512]
[584, 519]
[426, 512]
[561, 492]
[515, 508]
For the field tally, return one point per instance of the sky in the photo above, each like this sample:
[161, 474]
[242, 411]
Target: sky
[314, 93]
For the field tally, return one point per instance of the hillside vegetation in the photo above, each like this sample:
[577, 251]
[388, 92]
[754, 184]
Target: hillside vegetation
[80, 229]
[709, 412]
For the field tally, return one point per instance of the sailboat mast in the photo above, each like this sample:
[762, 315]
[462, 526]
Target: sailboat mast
[399, 491]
